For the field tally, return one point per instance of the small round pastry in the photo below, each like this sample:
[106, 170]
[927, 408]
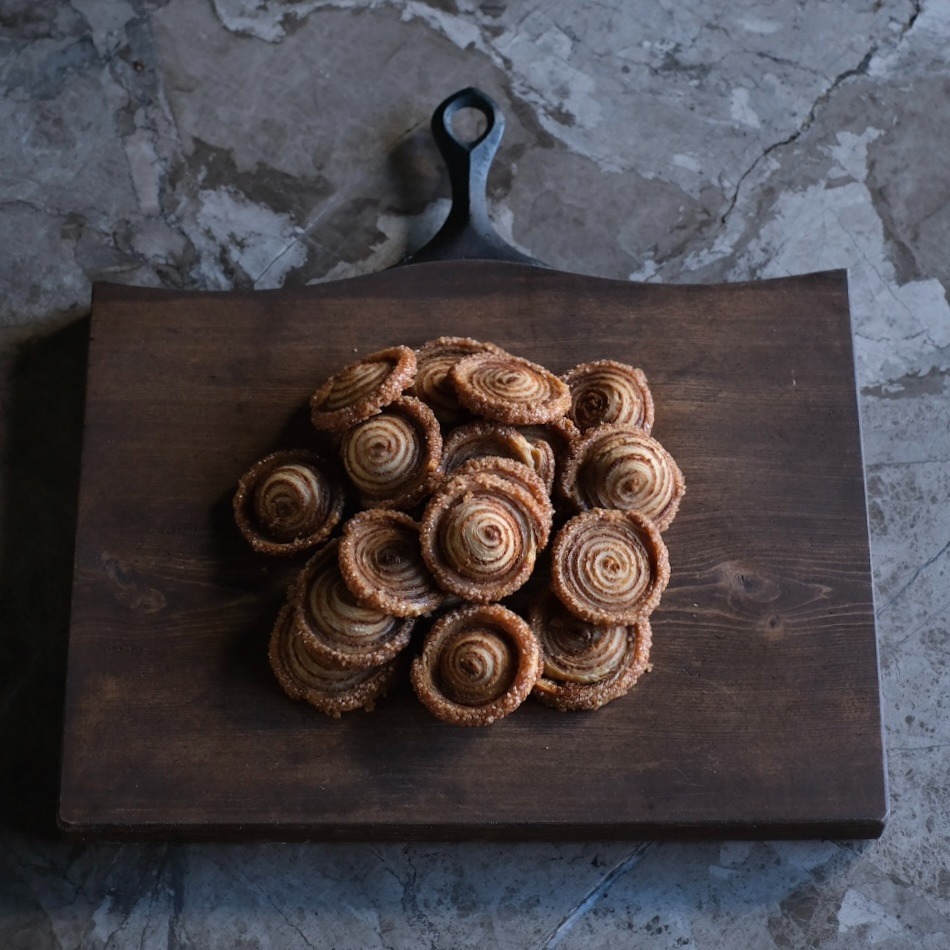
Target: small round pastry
[381, 562]
[620, 466]
[560, 437]
[481, 439]
[480, 536]
[362, 389]
[304, 676]
[609, 567]
[477, 665]
[510, 389]
[393, 458]
[434, 360]
[521, 475]
[335, 627]
[288, 502]
[585, 666]
[605, 391]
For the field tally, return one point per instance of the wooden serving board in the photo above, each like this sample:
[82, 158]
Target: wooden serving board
[761, 716]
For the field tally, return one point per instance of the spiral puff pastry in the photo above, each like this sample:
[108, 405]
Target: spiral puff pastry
[477, 665]
[586, 666]
[620, 466]
[288, 502]
[510, 389]
[609, 567]
[362, 389]
[481, 439]
[393, 458]
[337, 629]
[304, 676]
[381, 562]
[605, 391]
[434, 361]
[480, 536]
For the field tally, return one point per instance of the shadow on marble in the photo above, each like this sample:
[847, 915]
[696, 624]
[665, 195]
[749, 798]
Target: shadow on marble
[44, 408]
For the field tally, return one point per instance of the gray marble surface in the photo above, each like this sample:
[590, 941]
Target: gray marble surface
[257, 143]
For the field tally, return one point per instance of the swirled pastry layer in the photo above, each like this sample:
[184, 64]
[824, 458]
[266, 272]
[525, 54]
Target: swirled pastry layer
[434, 361]
[609, 567]
[302, 675]
[480, 535]
[362, 388]
[477, 665]
[481, 439]
[392, 458]
[605, 391]
[338, 629]
[288, 502]
[586, 666]
[381, 562]
[521, 475]
[620, 466]
[510, 389]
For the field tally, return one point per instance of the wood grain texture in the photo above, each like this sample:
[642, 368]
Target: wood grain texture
[761, 716]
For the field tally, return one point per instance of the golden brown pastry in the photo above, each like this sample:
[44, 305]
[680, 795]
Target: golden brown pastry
[605, 391]
[522, 475]
[585, 666]
[381, 562]
[362, 389]
[480, 536]
[477, 665]
[609, 567]
[335, 627]
[434, 360]
[393, 458]
[288, 502]
[509, 389]
[303, 676]
[481, 439]
[559, 436]
[620, 466]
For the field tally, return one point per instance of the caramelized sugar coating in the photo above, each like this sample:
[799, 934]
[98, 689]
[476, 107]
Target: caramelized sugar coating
[620, 466]
[480, 536]
[521, 475]
[481, 439]
[509, 389]
[434, 361]
[362, 389]
[609, 567]
[586, 666]
[393, 458]
[288, 502]
[381, 562]
[606, 391]
[337, 628]
[304, 676]
[477, 665]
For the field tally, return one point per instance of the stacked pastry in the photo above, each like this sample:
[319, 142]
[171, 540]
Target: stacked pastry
[484, 482]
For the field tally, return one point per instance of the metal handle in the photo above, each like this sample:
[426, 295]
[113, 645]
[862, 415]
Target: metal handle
[467, 232]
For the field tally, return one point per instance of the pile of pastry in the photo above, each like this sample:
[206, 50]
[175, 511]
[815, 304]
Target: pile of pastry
[520, 512]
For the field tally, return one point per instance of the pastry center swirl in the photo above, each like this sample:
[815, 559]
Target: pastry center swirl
[483, 536]
[609, 567]
[291, 501]
[476, 666]
[383, 452]
[625, 472]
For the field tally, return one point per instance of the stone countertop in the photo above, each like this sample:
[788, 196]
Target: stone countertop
[231, 143]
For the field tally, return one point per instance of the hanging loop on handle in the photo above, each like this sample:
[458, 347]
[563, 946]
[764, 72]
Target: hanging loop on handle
[467, 232]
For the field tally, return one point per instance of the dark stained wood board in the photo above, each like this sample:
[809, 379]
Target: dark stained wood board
[761, 717]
